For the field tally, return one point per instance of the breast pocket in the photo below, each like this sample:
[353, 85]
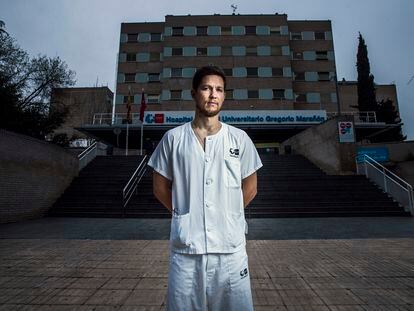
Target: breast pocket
[233, 172]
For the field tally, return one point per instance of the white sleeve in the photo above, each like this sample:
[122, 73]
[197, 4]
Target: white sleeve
[160, 160]
[249, 158]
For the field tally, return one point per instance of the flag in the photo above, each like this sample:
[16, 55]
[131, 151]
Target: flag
[129, 106]
[143, 107]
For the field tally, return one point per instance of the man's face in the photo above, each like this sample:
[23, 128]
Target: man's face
[209, 96]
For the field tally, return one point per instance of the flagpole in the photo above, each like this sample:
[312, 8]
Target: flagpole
[127, 138]
[141, 117]
[142, 135]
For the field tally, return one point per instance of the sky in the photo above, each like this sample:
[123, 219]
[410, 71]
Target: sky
[85, 33]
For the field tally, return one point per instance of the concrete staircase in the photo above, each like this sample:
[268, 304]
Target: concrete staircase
[289, 186]
[97, 191]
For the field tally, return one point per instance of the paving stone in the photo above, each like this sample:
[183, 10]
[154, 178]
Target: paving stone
[300, 297]
[351, 274]
[88, 282]
[121, 283]
[67, 300]
[338, 297]
[377, 296]
[290, 283]
[146, 297]
[263, 297]
[153, 283]
[114, 297]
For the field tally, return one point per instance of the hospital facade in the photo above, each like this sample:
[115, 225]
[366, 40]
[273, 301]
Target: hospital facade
[281, 73]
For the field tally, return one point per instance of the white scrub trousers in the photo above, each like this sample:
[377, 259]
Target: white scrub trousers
[214, 282]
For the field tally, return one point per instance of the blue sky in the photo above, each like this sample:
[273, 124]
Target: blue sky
[85, 33]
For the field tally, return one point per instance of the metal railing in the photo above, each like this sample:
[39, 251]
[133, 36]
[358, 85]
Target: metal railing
[359, 116]
[87, 155]
[119, 118]
[396, 187]
[133, 182]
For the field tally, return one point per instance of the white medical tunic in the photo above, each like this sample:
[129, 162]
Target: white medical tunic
[207, 199]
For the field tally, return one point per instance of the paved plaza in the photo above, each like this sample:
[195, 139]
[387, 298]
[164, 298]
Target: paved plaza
[107, 264]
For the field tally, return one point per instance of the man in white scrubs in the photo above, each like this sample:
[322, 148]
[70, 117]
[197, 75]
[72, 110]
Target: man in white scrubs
[205, 175]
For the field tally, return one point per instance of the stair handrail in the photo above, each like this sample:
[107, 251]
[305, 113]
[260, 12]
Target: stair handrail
[367, 160]
[87, 155]
[133, 182]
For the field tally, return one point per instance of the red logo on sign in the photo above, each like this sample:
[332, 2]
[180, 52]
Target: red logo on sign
[159, 118]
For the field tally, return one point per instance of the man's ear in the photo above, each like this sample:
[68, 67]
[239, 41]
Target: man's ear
[192, 93]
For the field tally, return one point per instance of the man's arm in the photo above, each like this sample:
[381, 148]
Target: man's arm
[249, 188]
[161, 188]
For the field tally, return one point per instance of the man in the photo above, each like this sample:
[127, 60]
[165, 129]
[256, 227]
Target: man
[205, 174]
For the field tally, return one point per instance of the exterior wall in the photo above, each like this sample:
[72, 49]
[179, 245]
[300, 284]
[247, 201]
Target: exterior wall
[401, 158]
[320, 144]
[83, 103]
[282, 40]
[33, 174]
[348, 94]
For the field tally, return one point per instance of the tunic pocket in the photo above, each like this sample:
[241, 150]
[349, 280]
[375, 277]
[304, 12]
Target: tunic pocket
[233, 172]
[180, 230]
[237, 229]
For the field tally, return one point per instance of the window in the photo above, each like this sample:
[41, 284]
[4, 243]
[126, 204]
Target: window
[153, 98]
[153, 77]
[277, 72]
[229, 94]
[251, 51]
[250, 30]
[226, 51]
[177, 31]
[251, 71]
[279, 94]
[131, 57]
[297, 55]
[276, 50]
[176, 72]
[126, 98]
[296, 36]
[155, 37]
[154, 57]
[319, 36]
[228, 72]
[275, 30]
[201, 30]
[300, 98]
[175, 94]
[321, 55]
[226, 30]
[177, 51]
[299, 76]
[132, 37]
[130, 77]
[323, 76]
[252, 94]
[201, 51]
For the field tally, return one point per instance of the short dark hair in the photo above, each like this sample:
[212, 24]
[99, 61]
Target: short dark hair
[207, 71]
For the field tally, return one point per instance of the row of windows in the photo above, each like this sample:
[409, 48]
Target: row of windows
[224, 31]
[264, 50]
[236, 94]
[237, 72]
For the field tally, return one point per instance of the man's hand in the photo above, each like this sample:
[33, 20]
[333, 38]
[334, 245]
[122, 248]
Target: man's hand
[249, 188]
[161, 188]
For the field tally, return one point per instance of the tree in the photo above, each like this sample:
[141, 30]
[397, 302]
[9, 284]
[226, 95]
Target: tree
[388, 113]
[25, 89]
[366, 87]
